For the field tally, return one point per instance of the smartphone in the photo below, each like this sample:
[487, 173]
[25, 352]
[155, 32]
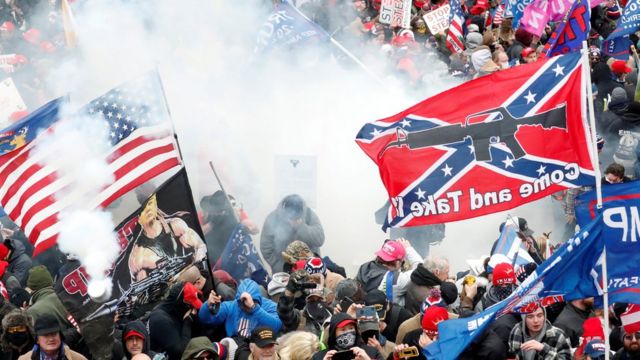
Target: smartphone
[367, 312]
[409, 352]
[345, 303]
[343, 355]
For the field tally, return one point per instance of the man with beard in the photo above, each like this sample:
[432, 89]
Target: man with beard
[535, 338]
[157, 240]
[631, 345]
[315, 313]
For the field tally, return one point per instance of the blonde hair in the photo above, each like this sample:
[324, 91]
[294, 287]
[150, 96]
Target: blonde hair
[298, 345]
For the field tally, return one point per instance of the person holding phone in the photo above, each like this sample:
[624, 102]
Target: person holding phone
[345, 342]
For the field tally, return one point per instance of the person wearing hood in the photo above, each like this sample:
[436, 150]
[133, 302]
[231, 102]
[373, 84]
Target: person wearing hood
[6, 277]
[344, 336]
[602, 78]
[17, 336]
[171, 321]
[482, 62]
[292, 220]
[219, 221]
[611, 119]
[425, 277]
[200, 348]
[390, 315]
[534, 338]
[13, 252]
[313, 316]
[135, 340]
[428, 332]
[242, 315]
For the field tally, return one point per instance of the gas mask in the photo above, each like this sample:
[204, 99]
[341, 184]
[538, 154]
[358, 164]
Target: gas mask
[346, 341]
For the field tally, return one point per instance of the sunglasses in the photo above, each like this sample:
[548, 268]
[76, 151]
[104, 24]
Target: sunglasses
[635, 335]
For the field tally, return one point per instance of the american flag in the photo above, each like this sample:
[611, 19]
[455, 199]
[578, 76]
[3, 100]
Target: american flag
[454, 35]
[140, 142]
[499, 15]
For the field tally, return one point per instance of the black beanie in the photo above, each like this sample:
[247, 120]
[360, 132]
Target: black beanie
[449, 292]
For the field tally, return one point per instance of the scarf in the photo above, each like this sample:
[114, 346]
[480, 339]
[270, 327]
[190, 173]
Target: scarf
[422, 276]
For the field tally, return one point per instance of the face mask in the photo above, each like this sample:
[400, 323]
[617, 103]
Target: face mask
[346, 341]
[18, 339]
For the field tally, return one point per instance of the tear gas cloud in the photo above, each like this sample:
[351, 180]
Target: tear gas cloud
[242, 111]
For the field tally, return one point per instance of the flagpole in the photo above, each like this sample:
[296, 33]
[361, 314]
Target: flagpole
[596, 168]
[226, 195]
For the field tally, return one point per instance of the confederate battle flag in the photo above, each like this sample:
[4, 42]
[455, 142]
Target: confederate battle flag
[488, 145]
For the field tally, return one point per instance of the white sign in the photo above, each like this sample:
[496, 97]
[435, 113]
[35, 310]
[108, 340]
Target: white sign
[438, 19]
[10, 101]
[297, 174]
[396, 13]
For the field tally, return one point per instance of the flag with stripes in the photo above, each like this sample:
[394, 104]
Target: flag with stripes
[455, 39]
[140, 146]
[571, 32]
[499, 15]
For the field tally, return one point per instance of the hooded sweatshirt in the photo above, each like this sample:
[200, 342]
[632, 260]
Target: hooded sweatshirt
[238, 322]
[138, 327]
[331, 341]
[197, 345]
[19, 262]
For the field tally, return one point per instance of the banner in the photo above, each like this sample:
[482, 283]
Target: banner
[621, 232]
[287, 26]
[158, 241]
[571, 32]
[629, 21]
[438, 19]
[536, 15]
[567, 275]
[240, 258]
[521, 135]
[510, 248]
[515, 9]
[396, 13]
[10, 101]
[617, 47]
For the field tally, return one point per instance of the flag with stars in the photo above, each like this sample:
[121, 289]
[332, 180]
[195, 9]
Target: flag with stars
[240, 258]
[488, 145]
[140, 146]
[455, 40]
[629, 21]
[571, 32]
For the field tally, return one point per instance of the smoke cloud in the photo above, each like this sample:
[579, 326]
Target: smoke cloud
[242, 111]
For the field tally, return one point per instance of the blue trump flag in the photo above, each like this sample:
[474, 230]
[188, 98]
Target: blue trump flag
[287, 26]
[567, 274]
[617, 48]
[240, 258]
[515, 9]
[571, 32]
[621, 233]
[629, 22]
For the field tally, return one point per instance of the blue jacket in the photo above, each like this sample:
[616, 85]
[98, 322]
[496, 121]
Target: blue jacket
[263, 314]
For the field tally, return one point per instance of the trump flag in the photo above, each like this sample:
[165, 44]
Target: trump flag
[488, 145]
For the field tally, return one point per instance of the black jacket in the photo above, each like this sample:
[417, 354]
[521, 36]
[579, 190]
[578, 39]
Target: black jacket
[394, 318]
[168, 331]
[570, 321]
[138, 327]
[331, 341]
[19, 261]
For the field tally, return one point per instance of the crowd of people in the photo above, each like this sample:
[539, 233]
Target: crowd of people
[311, 308]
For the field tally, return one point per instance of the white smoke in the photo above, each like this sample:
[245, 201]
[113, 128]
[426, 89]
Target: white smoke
[241, 111]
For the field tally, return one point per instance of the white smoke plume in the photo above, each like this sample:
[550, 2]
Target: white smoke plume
[241, 111]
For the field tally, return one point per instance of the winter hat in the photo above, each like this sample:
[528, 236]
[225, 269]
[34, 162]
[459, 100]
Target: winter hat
[503, 274]
[18, 59]
[613, 12]
[618, 96]
[225, 278]
[620, 67]
[434, 299]
[48, 47]
[32, 36]
[432, 316]
[190, 295]
[472, 41]
[473, 28]
[524, 36]
[39, 277]
[315, 265]
[7, 26]
[277, 284]
[391, 251]
[449, 292]
[592, 329]
[346, 288]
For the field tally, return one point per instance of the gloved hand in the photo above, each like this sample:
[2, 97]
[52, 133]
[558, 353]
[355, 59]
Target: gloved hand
[296, 278]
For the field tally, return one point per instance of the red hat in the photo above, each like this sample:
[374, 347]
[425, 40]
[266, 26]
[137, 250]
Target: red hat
[346, 322]
[591, 329]
[391, 251]
[620, 67]
[432, 316]
[48, 47]
[503, 274]
[527, 51]
[132, 333]
[190, 295]
[4, 251]
[18, 59]
[32, 36]
[477, 10]
[3, 267]
[7, 26]
[224, 277]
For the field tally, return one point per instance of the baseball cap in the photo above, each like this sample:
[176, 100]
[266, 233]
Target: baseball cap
[619, 67]
[503, 274]
[595, 348]
[391, 250]
[133, 333]
[377, 299]
[263, 336]
[368, 326]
